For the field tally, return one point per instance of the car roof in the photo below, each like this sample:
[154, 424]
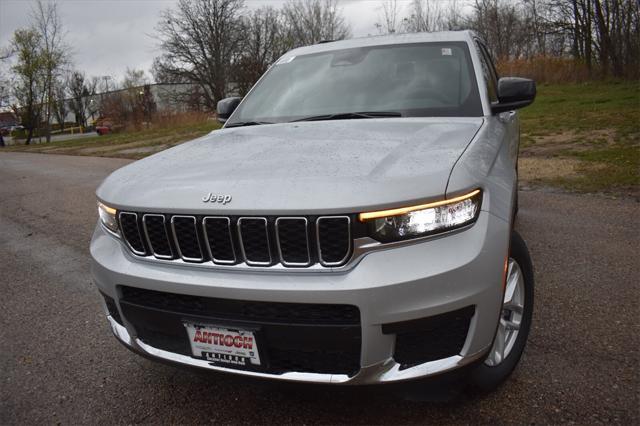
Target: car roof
[443, 36]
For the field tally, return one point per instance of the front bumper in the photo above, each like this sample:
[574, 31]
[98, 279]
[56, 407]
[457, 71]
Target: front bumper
[405, 283]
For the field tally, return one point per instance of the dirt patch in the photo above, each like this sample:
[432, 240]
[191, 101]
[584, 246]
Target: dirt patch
[533, 168]
[142, 150]
[155, 144]
[570, 173]
[97, 150]
[547, 145]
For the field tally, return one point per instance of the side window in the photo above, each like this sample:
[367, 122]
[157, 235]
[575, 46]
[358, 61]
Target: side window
[489, 73]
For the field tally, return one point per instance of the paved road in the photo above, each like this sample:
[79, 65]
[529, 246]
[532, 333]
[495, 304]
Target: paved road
[56, 138]
[59, 363]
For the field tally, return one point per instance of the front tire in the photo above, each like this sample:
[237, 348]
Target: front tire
[515, 321]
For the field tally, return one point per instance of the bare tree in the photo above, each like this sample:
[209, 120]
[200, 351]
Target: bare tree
[313, 21]
[27, 45]
[603, 34]
[136, 101]
[424, 16]
[82, 92]
[5, 89]
[92, 104]
[617, 39]
[454, 17]
[147, 104]
[263, 44]
[134, 78]
[60, 103]
[199, 41]
[390, 17]
[177, 92]
[55, 55]
[220, 48]
[106, 83]
[499, 24]
[6, 52]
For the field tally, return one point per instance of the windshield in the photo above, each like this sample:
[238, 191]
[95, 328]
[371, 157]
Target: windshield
[410, 80]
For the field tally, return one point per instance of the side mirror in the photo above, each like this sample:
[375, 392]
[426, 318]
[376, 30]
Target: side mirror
[226, 107]
[514, 93]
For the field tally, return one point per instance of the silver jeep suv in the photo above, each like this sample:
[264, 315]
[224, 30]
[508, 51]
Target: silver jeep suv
[352, 223]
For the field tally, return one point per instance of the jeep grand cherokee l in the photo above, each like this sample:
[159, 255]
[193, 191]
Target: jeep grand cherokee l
[352, 223]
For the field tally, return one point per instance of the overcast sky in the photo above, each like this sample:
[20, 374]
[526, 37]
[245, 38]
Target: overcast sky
[107, 36]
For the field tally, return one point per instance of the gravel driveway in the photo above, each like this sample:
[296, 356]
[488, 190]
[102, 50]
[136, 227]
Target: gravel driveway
[59, 362]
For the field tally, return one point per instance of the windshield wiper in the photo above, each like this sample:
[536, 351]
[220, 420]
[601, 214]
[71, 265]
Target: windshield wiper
[247, 123]
[351, 115]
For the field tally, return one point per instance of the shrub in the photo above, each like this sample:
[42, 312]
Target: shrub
[546, 69]
[195, 118]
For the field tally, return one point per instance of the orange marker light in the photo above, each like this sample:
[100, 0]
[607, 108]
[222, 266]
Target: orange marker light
[504, 275]
[106, 208]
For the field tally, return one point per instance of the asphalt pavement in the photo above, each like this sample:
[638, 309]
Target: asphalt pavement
[60, 364]
[54, 138]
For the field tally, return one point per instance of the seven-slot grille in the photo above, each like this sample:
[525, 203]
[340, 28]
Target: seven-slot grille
[254, 241]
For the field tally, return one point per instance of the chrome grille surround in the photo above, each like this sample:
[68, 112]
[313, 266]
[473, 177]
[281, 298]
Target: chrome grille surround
[249, 242]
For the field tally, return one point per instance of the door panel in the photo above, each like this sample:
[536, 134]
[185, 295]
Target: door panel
[508, 119]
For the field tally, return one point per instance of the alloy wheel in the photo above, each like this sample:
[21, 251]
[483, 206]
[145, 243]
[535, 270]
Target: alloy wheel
[510, 317]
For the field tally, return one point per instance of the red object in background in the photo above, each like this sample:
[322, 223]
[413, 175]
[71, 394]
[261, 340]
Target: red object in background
[103, 130]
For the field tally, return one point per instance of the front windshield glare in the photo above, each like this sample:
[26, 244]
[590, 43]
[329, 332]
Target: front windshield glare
[411, 80]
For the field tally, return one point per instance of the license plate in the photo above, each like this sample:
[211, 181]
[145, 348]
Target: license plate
[224, 345]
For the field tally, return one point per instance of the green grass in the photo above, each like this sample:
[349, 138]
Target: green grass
[583, 108]
[116, 144]
[595, 123]
[613, 170]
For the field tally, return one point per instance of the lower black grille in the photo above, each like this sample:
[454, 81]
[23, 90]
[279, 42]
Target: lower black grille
[112, 308]
[163, 339]
[431, 338]
[318, 361]
[292, 337]
[268, 312]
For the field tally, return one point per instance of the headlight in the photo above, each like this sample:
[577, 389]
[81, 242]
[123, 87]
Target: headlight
[424, 219]
[108, 217]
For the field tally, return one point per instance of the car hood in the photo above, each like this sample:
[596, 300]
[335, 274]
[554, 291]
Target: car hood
[298, 168]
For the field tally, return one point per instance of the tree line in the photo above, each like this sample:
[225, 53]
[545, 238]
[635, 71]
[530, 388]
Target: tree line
[40, 55]
[44, 85]
[221, 47]
[601, 35]
[213, 46]
[213, 43]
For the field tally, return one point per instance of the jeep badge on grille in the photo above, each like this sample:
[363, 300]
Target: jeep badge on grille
[213, 198]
